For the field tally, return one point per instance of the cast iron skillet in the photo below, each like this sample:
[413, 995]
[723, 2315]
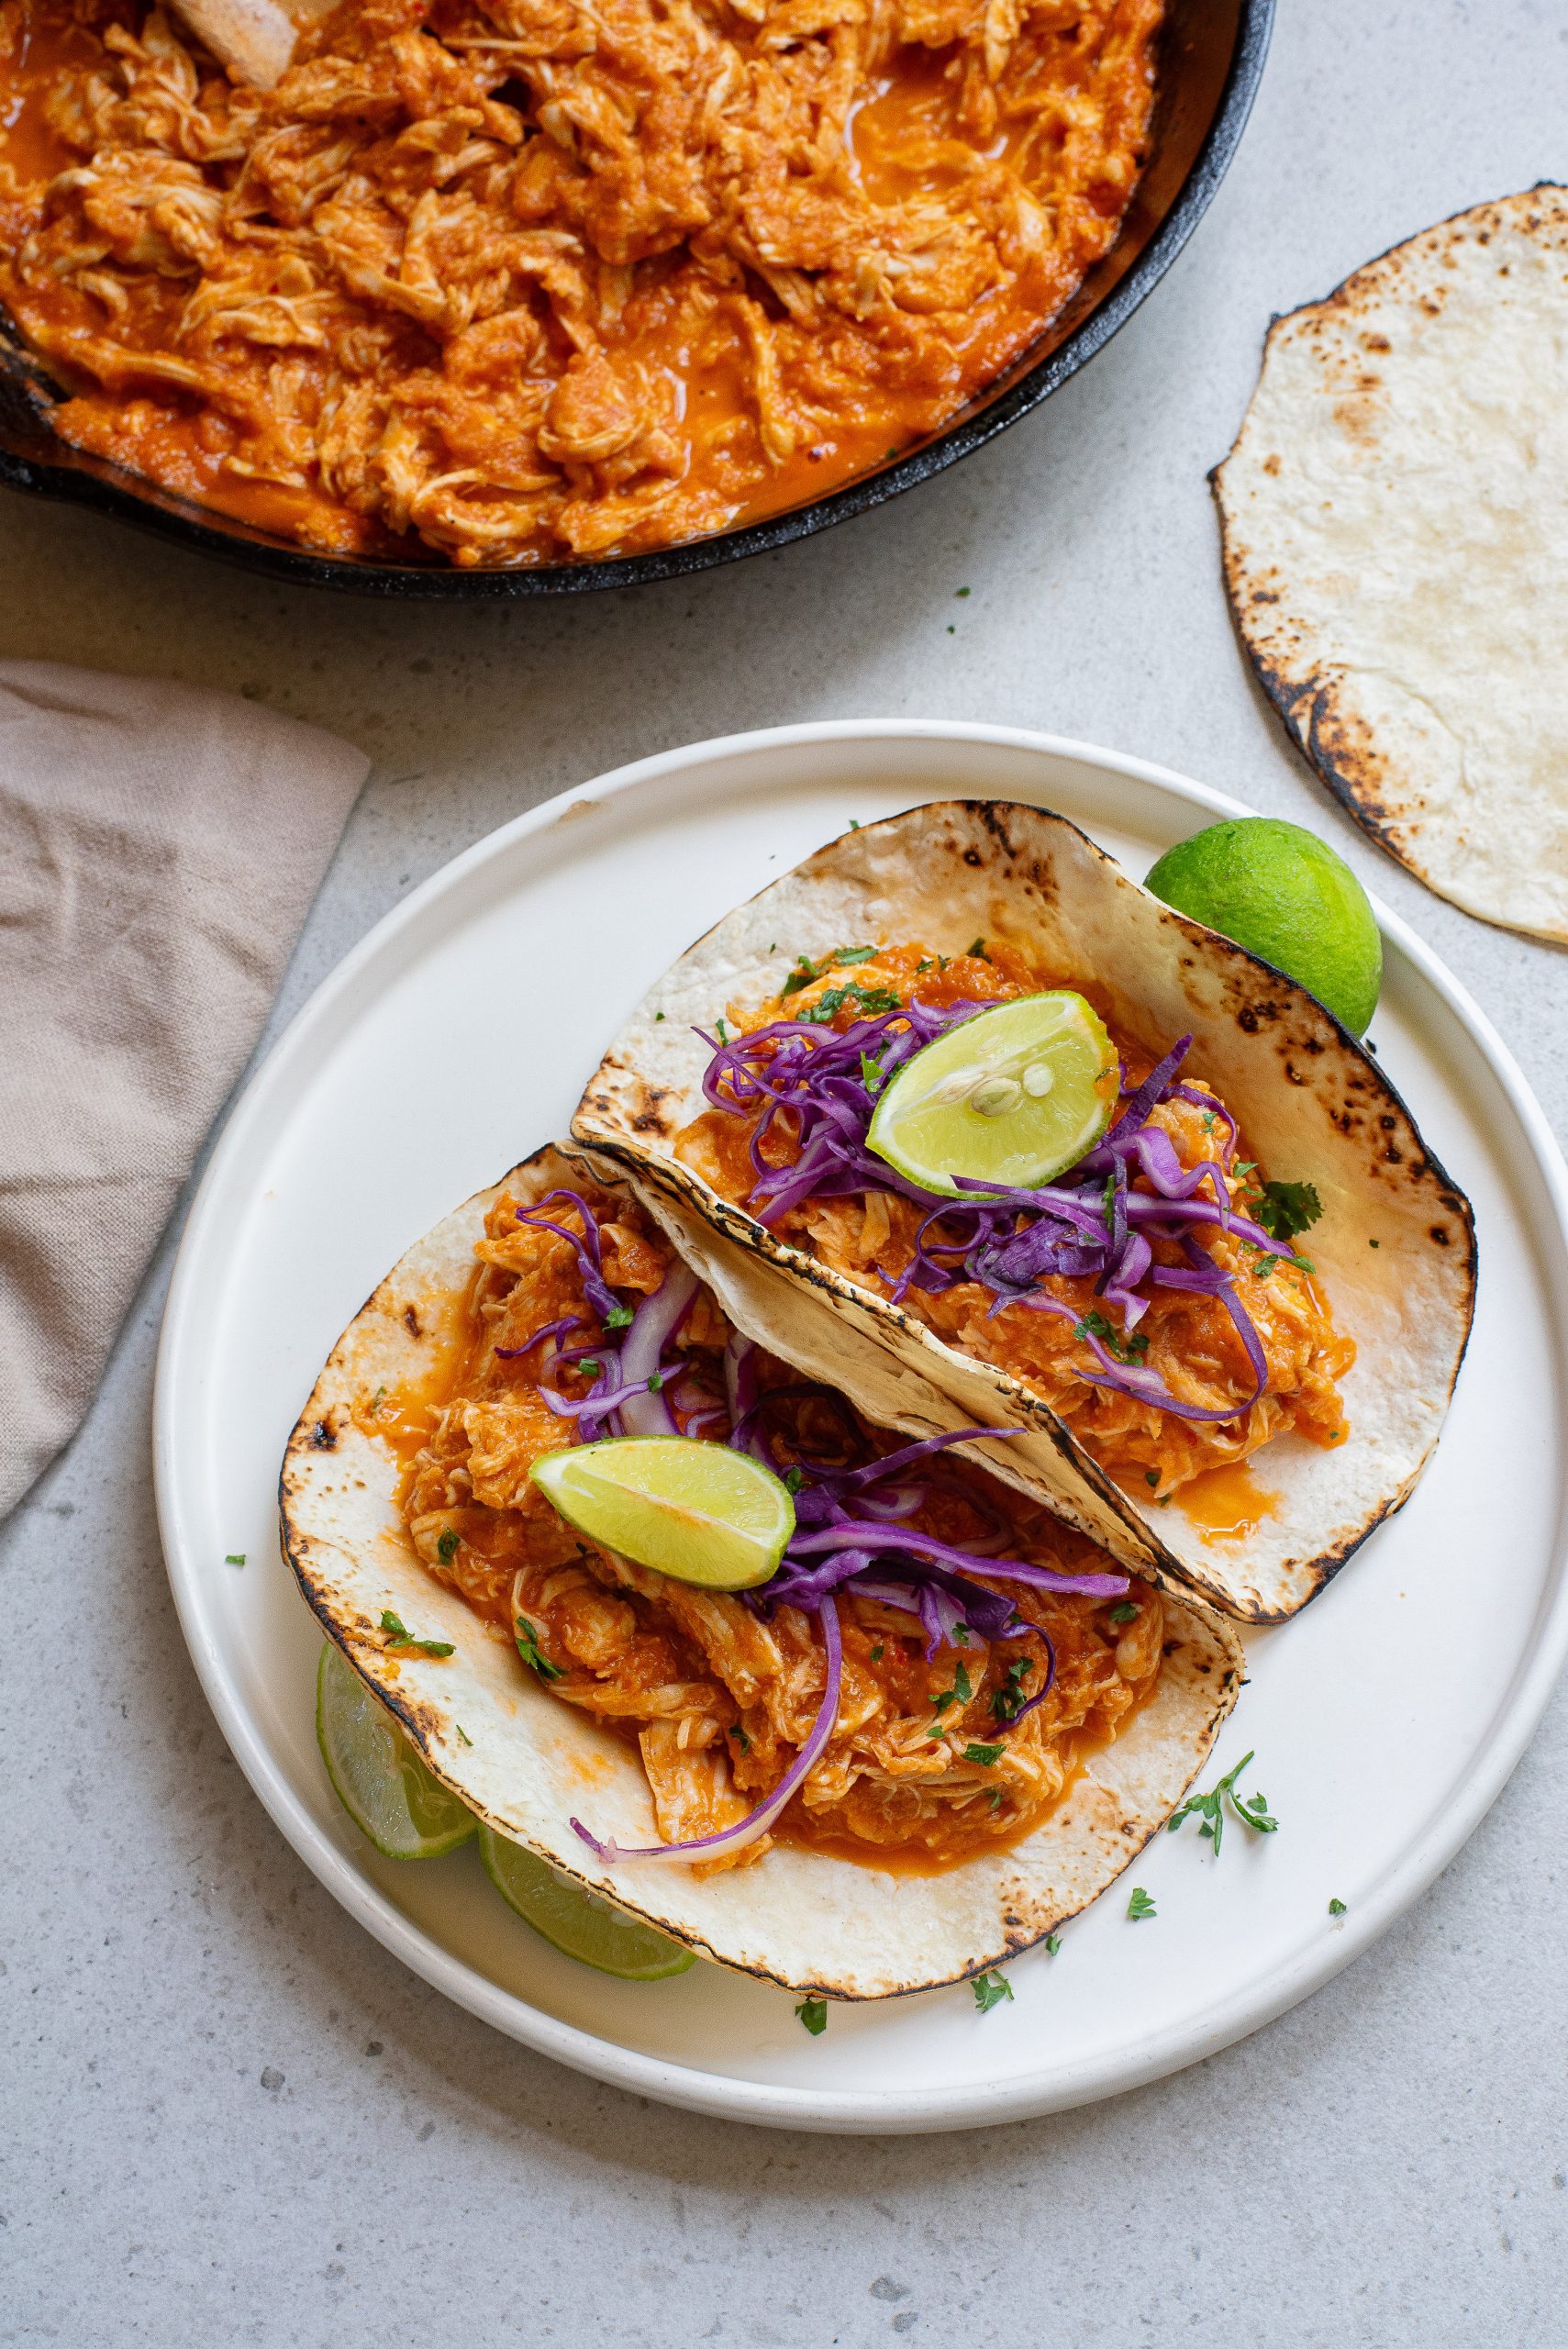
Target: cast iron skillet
[1211, 57]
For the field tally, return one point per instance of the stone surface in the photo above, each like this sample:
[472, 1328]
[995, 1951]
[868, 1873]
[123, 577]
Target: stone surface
[231, 2115]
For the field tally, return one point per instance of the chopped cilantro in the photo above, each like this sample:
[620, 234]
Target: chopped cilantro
[1265, 1262]
[847, 957]
[793, 1479]
[722, 1031]
[742, 1740]
[619, 1317]
[655, 1382]
[446, 1548]
[1124, 1613]
[1152, 1479]
[870, 1000]
[990, 1989]
[986, 1755]
[589, 1366]
[1211, 1808]
[1375, 1243]
[462, 1732]
[528, 1649]
[399, 1635]
[1336, 1908]
[1052, 1943]
[801, 976]
[922, 967]
[659, 1015]
[812, 2013]
[872, 1075]
[373, 1407]
[977, 951]
[958, 1694]
[877, 1652]
[1209, 1121]
[998, 1796]
[961, 592]
[1094, 1325]
[1285, 1208]
[1009, 1701]
[235, 1558]
[1141, 1905]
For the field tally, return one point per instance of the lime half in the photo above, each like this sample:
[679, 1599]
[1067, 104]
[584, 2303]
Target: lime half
[698, 1512]
[377, 1775]
[1010, 1098]
[1281, 892]
[579, 1923]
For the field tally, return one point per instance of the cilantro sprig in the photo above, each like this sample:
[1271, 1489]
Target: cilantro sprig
[1129, 1350]
[961, 1692]
[1141, 1905]
[1285, 1208]
[1222, 1799]
[990, 1989]
[812, 2015]
[528, 1649]
[398, 1635]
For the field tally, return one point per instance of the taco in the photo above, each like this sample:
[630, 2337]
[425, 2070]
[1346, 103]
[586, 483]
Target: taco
[945, 1725]
[1228, 1329]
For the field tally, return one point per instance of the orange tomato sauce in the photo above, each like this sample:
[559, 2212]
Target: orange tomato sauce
[526, 282]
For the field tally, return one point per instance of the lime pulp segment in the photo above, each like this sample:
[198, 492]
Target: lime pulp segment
[376, 1775]
[576, 1922]
[1011, 1097]
[698, 1512]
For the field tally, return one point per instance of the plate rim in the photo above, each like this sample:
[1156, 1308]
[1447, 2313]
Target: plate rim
[723, 2095]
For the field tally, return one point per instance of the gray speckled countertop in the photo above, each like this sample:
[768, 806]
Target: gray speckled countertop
[231, 2116]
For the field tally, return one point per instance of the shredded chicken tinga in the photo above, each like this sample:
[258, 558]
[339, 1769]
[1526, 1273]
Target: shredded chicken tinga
[1214, 1349]
[946, 1739]
[506, 281]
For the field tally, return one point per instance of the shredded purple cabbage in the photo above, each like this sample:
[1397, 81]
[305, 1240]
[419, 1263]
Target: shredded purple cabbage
[848, 1535]
[1090, 1223]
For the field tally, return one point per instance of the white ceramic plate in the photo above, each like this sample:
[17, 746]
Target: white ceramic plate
[454, 1039]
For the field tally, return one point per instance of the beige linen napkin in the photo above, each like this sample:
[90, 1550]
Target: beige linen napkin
[160, 846]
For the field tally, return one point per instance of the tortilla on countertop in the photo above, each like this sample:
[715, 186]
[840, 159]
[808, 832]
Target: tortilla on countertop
[1394, 515]
[1395, 1248]
[526, 1762]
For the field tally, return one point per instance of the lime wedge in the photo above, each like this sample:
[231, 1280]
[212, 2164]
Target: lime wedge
[695, 1511]
[579, 1923]
[377, 1775]
[1010, 1098]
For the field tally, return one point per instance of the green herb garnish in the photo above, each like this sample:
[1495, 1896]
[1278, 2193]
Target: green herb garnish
[869, 1000]
[1336, 1908]
[1124, 1613]
[235, 1558]
[877, 1652]
[1009, 1701]
[1152, 1479]
[373, 1406]
[870, 1072]
[400, 1636]
[990, 1989]
[958, 1694]
[1211, 1808]
[793, 1479]
[1094, 1325]
[447, 1547]
[802, 975]
[977, 951]
[742, 1740]
[1285, 1208]
[619, 1317]
[1141, 1905]
[986, 1755]
[1052, 1943]
[462, 1732]
[528, 1649]
[812, 2014]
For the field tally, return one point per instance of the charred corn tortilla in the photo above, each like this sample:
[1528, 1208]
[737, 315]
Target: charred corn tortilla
[1394, 1248]
[528, 1764]
[1395, 510]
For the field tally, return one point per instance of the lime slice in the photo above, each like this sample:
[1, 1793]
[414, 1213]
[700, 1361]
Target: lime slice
[579, 1923]
[1283, 894]
[376, 1775]
[695, 1511]
[1009, 1097]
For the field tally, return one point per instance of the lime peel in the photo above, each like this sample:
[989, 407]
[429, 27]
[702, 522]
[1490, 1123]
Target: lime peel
[699, 1512]
[575, 1922]
[381, 1780]
[1011, 1097]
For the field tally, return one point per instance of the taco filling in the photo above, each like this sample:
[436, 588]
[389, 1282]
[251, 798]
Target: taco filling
[1151, 1294]
[921, 1679]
